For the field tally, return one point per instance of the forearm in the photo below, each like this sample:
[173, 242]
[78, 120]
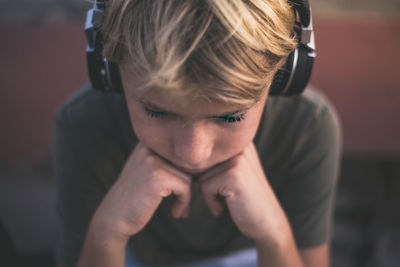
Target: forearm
[279, 250]
[102, 248]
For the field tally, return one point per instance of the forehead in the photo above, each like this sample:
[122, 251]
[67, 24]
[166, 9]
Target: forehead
[175, 101]
[190, 106]
[185, 93]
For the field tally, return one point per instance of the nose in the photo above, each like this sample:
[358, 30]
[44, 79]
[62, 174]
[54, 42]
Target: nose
[193, 144]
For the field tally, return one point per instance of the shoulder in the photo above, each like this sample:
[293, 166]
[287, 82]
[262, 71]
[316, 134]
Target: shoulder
[92, 135]
[88, 106]
[298, 129]
[287, 119]
[89, 110]
[307, 107]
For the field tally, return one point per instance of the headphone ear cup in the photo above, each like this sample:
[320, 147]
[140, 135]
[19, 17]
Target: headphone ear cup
[301, 72]
[104, 75]
[304, 11]
[293, 77]
[115, 77]
[96, 66]
[282, 77]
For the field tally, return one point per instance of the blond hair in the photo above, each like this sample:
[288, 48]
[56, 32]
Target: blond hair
[224, 50]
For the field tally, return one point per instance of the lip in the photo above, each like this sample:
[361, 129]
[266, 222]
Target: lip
[192, 171]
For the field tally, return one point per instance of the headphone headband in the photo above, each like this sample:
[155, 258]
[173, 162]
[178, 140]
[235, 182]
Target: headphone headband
[303, 9]
[291, 79]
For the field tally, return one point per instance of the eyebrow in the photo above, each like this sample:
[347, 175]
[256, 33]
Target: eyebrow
[231, 113]
[156, 108]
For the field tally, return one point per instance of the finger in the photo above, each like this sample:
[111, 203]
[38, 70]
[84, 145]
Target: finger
[182, 190]
[173, 182]
[214, 201]
[180, 208]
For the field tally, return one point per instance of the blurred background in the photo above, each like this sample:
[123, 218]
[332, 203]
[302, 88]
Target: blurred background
[42, 53]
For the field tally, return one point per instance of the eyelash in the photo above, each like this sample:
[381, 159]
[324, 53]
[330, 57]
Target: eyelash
[152, 113]
[225, 119]
[232, 119]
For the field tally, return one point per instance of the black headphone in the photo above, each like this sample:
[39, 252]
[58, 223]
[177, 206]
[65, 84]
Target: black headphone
[289, 80]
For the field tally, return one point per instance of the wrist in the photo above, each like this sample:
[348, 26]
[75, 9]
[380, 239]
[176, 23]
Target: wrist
[103, 246]
[275, 242]
[278, 249]
[104, 229]
[276, 232]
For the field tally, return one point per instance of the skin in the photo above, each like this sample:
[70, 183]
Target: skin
[179, 142]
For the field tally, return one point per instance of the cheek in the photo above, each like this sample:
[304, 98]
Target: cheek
[152, 134]
[233, 141]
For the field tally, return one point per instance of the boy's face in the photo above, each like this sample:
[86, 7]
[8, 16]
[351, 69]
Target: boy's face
[194, 136]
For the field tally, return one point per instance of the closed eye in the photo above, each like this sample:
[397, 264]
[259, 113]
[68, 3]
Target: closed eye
[224, 118]
[232, 119]
[153, 113]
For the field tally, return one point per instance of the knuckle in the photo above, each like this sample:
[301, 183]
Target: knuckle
[226, 191]
[157, 173]
[187, 187]
[236, 177]
[156, 181]
[150, 160]
[162, 188]
[154, 185]
[240, 160]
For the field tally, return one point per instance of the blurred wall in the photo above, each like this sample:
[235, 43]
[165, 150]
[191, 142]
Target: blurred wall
[43, 53]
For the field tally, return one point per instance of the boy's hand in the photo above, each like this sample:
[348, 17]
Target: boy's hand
[241, 185]
[144, 181]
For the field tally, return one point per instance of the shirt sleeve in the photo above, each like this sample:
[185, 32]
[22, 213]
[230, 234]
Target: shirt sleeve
[86, 162]
[308, 193]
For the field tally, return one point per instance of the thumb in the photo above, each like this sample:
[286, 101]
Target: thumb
[182, 191]
[214, 201]
[180, 208]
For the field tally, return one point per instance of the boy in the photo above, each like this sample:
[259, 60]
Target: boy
[195, 161]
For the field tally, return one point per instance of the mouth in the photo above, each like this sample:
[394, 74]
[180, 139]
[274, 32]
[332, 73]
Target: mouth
[192, 171]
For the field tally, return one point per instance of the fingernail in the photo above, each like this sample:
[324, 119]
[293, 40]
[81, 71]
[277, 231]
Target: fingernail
[216, 212]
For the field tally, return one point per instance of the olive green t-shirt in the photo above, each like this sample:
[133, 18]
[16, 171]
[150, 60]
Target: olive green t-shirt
[299, 145]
